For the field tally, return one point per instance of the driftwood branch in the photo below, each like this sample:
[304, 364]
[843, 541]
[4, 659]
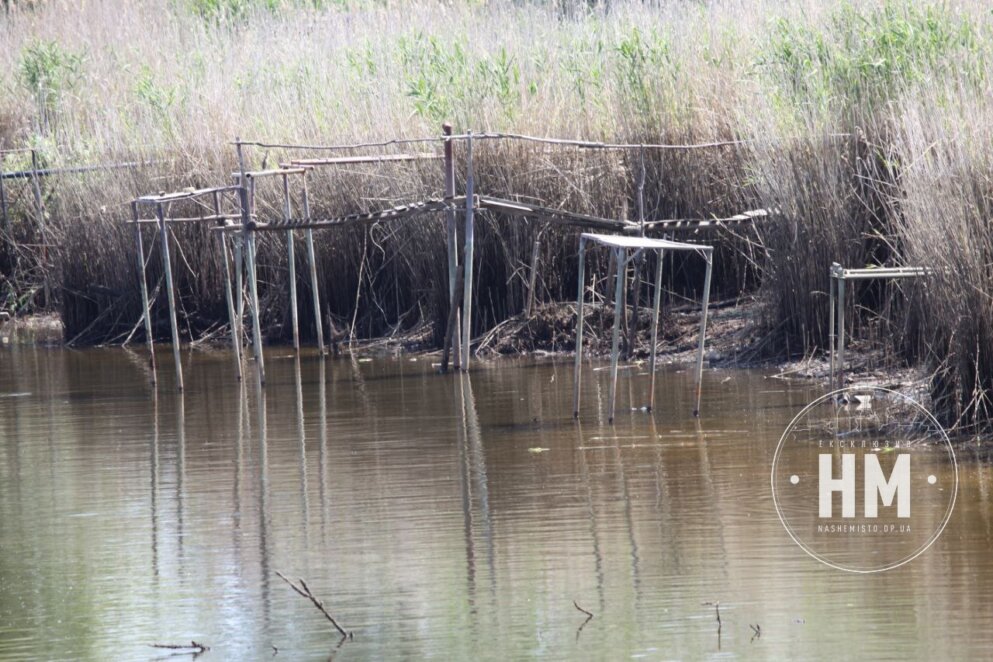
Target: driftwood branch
[194, 647]
[589, 614]
[305, 592]
[589, 617]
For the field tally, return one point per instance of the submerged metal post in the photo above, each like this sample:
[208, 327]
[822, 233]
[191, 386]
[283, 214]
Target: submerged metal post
[709, 256]
[580, 299]
[616, 344]
[453, 251]
[145, 311]
[841, 332]
[291, 259]
[167, 266]
[312, 262]
[655, 326]
[248, 238]
[467, 262]
[228, 296]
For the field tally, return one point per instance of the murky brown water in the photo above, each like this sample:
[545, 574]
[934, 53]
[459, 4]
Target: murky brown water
[420, 508]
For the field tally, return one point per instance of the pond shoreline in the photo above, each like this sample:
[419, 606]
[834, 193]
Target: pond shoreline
[737, 338]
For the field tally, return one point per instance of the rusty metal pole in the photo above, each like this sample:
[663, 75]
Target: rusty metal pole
[3, 203]
[312, 262]
[615, 347]
[453, 251]
[639, 258]
[831, 311]
[292, 261]
[467, 262]
[248, 238]
[580, 299]
[840, 363]
[40, 204]
[533, 276]
[146, 312]
[228, 295]
[167, 266]
[655, 325]
[709, 256]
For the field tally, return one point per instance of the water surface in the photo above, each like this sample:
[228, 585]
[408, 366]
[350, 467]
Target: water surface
[447, 517]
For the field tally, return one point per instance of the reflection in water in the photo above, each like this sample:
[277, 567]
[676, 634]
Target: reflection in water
[450, 516]
[475, 490]
[264, 517]
[302, 440]
[154, 466]
[180, 477]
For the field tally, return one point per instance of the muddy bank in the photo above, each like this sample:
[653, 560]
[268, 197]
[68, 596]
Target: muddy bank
[736, 338]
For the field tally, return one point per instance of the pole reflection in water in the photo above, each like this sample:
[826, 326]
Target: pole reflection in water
[622, 486]
[595, 548]
[180, 478]
[154, 470]
[322, 428]
[264, 514]
[302, 446]
[474, 480]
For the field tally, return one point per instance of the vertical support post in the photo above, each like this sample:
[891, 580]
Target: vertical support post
[453, 251]
[146, 313]
[42, 230]
[616, 343]
[580, 300]
[253, 288]
[3, 202]
[841, 331]
[611, 274]
[312, 262]
[641, 193]
[533, 279]
[167, 266]
[831, 311]
[639, 259]
[238, 240]
[655, 326]
[467, 261]
[228, 296]
[709, 256]
[451, 328]
[291, 259]
[248, 237]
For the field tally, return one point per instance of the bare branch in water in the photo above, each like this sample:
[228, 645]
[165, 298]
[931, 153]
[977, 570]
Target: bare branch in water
[305, 592]
[194, 648]
[589, 614]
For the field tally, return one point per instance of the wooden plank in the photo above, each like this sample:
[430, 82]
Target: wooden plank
[185, 219]
[708, 223]
[272, 172]
[515, 208]
[182, 195]
[884, 272]
[352, 160]
[392, 214]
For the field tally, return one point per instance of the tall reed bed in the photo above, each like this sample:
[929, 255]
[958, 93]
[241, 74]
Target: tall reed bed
[862, 126]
